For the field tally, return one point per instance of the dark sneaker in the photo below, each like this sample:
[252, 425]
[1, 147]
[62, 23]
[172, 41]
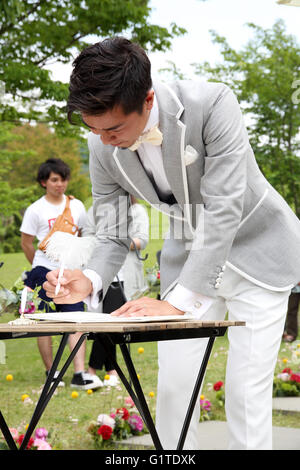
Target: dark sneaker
[61, 383]
[86, 381]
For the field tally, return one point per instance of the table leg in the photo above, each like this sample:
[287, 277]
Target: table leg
[48, 390]
[138, 397]
[136, 383]
[195, 393]
[7, 434]
[106, 342]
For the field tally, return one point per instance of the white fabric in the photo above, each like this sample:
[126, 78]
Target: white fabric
[153, 136]
[39, 218]
[189, 301]
[89, 230]
[151, 156]
[249, 377]
[133, 268]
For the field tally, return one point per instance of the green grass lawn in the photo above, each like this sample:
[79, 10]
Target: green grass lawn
[14, 265]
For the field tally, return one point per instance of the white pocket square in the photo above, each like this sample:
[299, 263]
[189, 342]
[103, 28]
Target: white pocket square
[190, 155]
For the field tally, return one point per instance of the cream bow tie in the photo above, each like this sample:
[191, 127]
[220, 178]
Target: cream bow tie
[153, 136]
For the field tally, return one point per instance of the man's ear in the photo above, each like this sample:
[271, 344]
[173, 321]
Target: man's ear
[149, 100]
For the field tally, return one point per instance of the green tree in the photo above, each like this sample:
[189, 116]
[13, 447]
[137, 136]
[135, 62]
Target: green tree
[34, 145]
[12, 198]
[36, 33]
[22, 150]
[265, 76]
[33, 35]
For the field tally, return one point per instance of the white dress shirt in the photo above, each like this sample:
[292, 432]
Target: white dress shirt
[151, 158]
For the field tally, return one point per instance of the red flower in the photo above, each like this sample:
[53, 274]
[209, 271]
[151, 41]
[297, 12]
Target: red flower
[105, 432]
[218, 385]
[124, 412]
[295, 378]
[30, 442]
[287, 370]
[158, 275]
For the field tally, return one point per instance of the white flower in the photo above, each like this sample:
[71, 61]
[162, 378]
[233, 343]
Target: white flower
[284, 376]
[106, 420]
[27, 401]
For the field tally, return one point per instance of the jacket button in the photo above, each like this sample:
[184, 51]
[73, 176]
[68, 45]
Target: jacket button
[197, 304]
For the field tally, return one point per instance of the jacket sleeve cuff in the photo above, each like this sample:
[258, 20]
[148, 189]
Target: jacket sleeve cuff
[193, 303]
[95, 298]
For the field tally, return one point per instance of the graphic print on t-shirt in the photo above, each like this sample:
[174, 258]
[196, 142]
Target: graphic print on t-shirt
[51, 222]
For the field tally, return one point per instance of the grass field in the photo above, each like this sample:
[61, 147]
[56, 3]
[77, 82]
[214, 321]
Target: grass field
[67, 418]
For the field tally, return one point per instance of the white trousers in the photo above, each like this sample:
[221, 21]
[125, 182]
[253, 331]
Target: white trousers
[252, 356]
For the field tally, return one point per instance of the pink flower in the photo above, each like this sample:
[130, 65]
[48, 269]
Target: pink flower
[15, 433]
[136, 422]
[30, 308]
[41, 444]
[129, 402]
[41, 433]
[205, 405]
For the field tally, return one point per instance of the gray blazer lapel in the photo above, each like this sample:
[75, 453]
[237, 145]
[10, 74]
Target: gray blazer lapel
[132, 169]
[170, 110]
[173, 146]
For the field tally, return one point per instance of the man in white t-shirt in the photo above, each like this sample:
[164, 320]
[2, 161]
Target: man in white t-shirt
[39, 217]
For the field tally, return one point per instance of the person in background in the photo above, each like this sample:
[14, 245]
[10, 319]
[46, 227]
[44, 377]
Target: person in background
[133, 268]
[291, 323]
[53, 175]
[128, 282]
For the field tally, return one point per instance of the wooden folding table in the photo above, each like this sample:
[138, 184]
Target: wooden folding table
[121, 334]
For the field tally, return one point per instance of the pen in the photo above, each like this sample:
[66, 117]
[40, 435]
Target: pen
[60, 275]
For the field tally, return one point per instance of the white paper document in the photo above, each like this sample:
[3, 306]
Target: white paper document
[94, 317]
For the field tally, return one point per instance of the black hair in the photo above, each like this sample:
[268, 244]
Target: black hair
[54, 165]
[113, 72]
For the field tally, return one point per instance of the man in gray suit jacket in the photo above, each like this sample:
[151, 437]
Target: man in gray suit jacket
[234, 244]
